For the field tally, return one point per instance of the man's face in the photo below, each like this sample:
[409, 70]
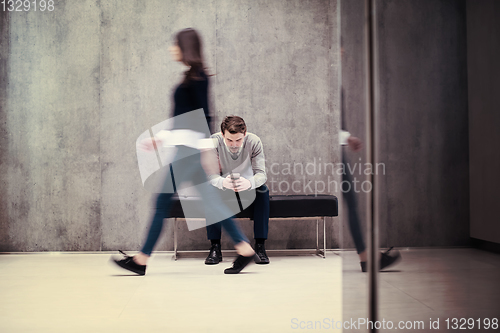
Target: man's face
[233, 141]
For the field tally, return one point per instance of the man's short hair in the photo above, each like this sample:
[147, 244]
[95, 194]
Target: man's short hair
[233, 124]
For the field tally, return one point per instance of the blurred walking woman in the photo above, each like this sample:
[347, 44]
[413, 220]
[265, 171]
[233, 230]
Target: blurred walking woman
[191, 94]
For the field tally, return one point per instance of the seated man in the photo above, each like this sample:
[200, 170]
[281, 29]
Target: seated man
[240, 153]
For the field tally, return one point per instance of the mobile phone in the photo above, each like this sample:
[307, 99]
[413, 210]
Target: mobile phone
[235, 176]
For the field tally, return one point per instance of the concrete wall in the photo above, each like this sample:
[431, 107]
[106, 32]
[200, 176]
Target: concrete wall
[4, 136]
[51, 184]
[483, 52]
[83, 82]
[423, 118]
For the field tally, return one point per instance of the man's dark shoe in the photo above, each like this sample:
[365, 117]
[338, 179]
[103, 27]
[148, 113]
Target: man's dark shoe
[129, 264]
[387, 258]
[215, 255]
[240, 263]
[260, 251]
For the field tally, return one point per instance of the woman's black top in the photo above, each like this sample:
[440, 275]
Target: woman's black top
[191, 96]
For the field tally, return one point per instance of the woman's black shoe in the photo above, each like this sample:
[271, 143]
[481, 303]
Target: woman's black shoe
[239, 264]
[387, 258]
[129, 264]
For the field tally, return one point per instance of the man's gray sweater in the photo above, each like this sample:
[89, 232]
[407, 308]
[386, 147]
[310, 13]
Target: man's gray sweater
[249, 162]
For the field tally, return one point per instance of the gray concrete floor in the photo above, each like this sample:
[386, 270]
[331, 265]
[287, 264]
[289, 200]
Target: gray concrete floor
[83, 292]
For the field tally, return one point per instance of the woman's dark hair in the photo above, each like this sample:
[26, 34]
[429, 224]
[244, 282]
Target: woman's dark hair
[190, 44]
[233, 124]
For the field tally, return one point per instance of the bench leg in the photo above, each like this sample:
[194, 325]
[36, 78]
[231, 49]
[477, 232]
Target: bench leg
[317, 236]
[175, 238]
[324, 236]
[321, 253]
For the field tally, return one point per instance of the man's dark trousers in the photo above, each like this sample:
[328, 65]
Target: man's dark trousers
[260, 216]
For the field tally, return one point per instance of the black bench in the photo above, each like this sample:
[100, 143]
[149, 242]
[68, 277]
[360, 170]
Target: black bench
[281, 206]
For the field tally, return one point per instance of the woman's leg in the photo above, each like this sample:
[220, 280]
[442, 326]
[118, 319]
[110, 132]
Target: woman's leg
[137, 263]
[354, 223]
[162, 209]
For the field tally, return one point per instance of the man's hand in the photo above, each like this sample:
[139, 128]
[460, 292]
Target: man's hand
[228, 183]
[147, 144]
[354, 143]
[242, 184]
[238, 185]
